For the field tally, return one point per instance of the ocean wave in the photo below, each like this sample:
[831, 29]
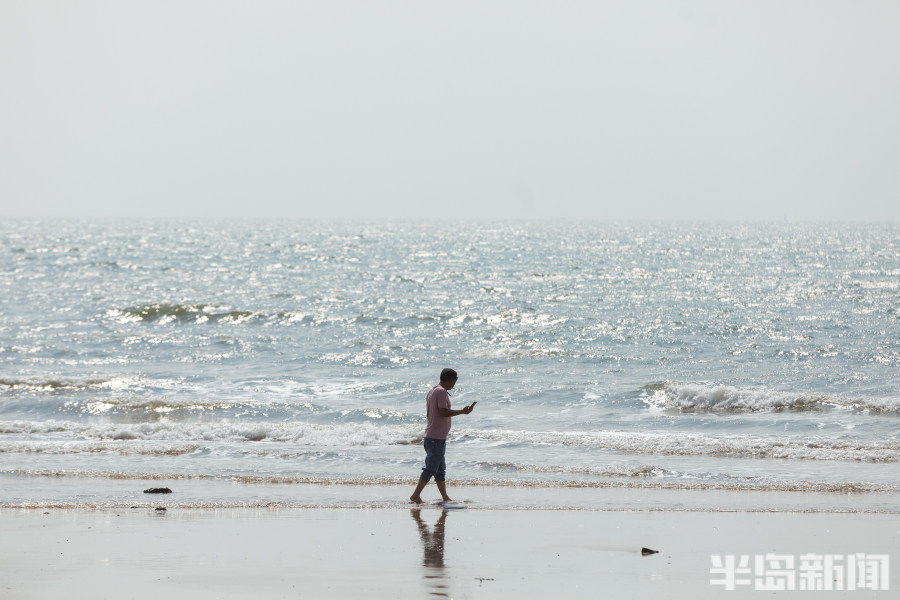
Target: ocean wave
[210, 313]
[196, 313]
[405, 316]
[374, 434]
[65, 383]
[337, 434]
[685, 444]
[724, 399]
[152, 409]
[615, 471]
[137, 405]
[87, 447]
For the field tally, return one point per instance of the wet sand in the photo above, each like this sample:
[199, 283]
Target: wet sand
[406, 553]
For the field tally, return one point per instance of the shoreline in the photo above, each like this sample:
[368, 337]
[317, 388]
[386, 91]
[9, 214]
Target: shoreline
[821, 487]
[426, 506]
[74, 492]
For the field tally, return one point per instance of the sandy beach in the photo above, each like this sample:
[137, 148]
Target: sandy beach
[406, 553]
[69, 536]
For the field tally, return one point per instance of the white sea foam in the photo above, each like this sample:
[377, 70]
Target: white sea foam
[698, 398]
[373, 434]
[672, 443]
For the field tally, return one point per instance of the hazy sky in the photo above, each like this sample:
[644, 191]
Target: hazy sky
[634, 109]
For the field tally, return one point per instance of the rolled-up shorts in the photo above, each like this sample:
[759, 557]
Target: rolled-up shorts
[434, 459]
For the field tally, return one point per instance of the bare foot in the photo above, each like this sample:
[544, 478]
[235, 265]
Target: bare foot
[447, 500]
[415, 499]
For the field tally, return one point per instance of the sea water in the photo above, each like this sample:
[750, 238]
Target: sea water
[685, 356]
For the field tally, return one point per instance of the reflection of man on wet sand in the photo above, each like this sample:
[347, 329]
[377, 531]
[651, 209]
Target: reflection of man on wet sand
[432, 541]
[433, 548]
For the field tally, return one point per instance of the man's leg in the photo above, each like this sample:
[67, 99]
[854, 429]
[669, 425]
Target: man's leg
[440, 474]
[417, 495]
[431, 464]
[442, 488]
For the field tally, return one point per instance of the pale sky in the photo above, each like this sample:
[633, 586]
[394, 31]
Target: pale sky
[595, 110]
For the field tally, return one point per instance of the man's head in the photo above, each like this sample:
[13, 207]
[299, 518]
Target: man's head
[448, 379]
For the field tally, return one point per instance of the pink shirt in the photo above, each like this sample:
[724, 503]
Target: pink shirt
[438, 426]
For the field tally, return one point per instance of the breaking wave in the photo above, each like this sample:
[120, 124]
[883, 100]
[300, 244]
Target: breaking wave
[723, 399]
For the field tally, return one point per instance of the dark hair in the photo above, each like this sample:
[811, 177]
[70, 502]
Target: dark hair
[448, 375]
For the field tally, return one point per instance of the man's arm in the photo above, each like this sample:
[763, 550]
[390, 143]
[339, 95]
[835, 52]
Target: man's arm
[446, 412]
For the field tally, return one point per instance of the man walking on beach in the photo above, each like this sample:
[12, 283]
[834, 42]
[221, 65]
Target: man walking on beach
[437, 404]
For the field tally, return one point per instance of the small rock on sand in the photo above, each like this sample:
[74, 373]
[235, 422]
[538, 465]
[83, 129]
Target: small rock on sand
[646, 551]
